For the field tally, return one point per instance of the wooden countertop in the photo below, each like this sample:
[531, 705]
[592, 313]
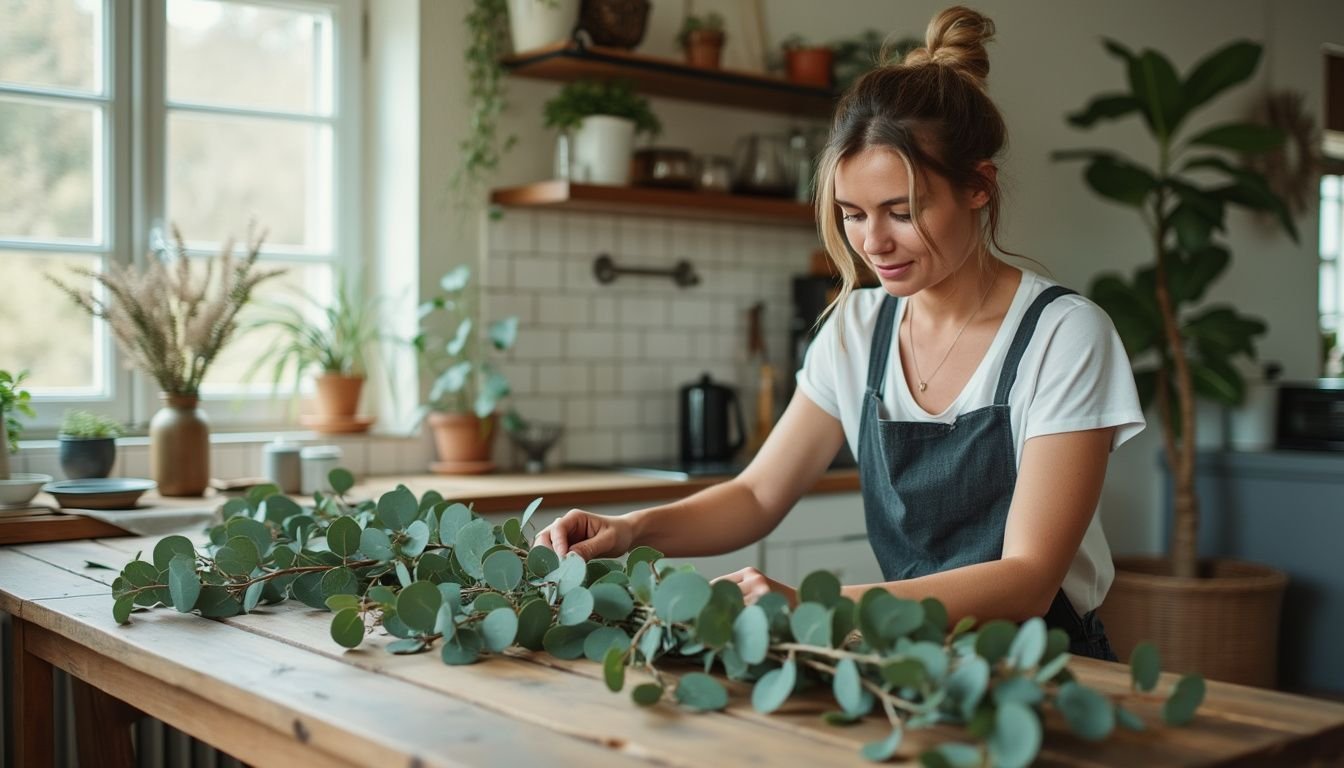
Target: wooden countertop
[571, 488]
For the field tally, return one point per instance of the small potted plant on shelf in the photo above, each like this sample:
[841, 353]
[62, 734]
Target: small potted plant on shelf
[464, 397]
[604, 118]
[88, 444]
[335, 340]
[701, 38]
[16, 488]
[807, 64]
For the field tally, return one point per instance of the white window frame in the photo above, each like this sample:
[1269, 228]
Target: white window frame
[135, 182]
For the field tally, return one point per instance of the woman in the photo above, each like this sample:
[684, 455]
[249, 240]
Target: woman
[981, 400]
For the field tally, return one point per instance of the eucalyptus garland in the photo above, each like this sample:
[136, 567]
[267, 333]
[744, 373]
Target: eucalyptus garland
[431, 572]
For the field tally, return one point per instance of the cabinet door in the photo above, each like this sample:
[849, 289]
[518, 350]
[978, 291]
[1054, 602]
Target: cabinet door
[850, 559]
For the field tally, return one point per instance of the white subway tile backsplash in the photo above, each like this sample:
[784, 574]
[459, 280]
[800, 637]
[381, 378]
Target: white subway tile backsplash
[632, 346]
[641, 444]
[604, 378]
[538, 344]
[502, 303]
[643, 377]
[590, 445]
[536, 272]
[616, 412]
[513, 231]
[604, 310]
[522, 377]
[497, 272]
[578, 275]
[592, 345]
[579, 413]
[642, 312]
[560, 309]
[660, 411]
[550, 232]
[564, 378]
[692, 313]
[667, 345]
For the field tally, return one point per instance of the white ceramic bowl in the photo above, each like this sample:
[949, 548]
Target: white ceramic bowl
[21, 487]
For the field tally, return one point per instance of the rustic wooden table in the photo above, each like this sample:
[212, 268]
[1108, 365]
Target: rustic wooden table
[272, 689]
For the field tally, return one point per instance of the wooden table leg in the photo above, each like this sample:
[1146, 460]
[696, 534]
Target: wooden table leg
[33, 736]
[102, 727]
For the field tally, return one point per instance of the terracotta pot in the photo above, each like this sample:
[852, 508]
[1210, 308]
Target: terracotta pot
[809, 66]
[338, 396]
[704, 48]
[463, 441]
[1224, 625]
[179, 447]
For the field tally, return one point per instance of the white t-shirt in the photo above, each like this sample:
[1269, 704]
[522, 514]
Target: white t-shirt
[1074, 375]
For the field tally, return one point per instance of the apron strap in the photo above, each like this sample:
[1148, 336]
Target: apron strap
[881, 349]
[1025, 330]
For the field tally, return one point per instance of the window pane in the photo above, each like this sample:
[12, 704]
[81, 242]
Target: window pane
[44, 331]
[224, 171]
[52, 43]
[1332, 216]
[49, 158]
[229, 370]
[241, 55]
[1329, 298]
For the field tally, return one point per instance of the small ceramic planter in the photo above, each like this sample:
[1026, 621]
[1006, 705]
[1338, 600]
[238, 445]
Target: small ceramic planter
[84, 457]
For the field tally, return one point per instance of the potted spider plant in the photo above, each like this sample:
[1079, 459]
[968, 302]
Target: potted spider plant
[1219, 617]
[332, 341]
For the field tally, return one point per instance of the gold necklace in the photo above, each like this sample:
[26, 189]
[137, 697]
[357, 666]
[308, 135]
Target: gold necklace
[923, 382]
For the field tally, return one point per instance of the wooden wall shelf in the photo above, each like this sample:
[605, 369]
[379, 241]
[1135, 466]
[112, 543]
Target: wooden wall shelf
[650, 201]
[655, 76]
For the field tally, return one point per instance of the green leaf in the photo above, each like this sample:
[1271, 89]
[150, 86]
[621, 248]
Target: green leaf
[121, 608]
[403, 574]
[1088, 713]
[643, 583]
[215, 602]
[1018, 690]
[1185, 698]
[1120, 180]
[451, 521]
[534, 618]
[903, 673]
[1056, 643]
[647, 694]
[341, 602]
[504, 332]
[1145, 666]
[489, 601]
[714, 625]
[183, 583]
[1127, 719]
[503, 570]
[774, 688]
[1029, 644]
[418, 605]
[1158, 88]
[340, 480]
[1051, 669]
[261, 493]
[374, 543]
[1016, 738]
[397, 508]
[1215, 379]
[464, 648]
[994, 639]
[811, 625]
[1240, 137]
[1189, 278]
[1135, 315]
[339, 581]
[472, 541]
[613, 669]
[307, 589]
[681, 596]
[542, 561]
[848, 689]
[612, 602]
[407, 646]
[882, 751]
[499, 628]
[1221, 70]
[751, 634]
[171, 547]
[460, 338]
[417, 538]
[139, 573]
[513, 532]
[820, 587]
[237, 558]
[967, 684]
[700, 692]
[257, 532]
[347, 628]
[641, 555]
[651, 643]
[1106, 107]
[603, 640]
[952, 755]
[569, 576]
[566, 642]
[576, 607]
[933, 656]
[343, 536]
[964, 625]
[531, 508]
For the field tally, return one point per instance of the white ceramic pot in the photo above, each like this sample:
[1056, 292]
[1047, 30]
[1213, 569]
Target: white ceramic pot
[602, 149]
[1251, 426]
[535, 23]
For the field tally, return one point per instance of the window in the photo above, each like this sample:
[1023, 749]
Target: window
[242, 110]
[1332, 276]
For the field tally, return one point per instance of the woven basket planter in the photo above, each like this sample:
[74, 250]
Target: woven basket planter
[1224, 625]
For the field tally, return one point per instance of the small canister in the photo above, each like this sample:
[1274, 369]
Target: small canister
[318, 461]
[280, 465]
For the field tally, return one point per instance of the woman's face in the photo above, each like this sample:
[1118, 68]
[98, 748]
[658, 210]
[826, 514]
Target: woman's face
[872, 189]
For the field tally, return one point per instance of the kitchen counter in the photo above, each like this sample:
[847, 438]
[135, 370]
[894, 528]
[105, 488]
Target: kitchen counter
[569, 488]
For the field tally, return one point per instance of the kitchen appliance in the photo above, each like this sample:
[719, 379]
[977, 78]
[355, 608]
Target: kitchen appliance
[1311, 415]
[662, 167]
[706, 410]
[763, 164]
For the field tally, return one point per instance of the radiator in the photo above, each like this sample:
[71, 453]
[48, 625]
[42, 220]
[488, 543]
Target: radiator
[156, 745]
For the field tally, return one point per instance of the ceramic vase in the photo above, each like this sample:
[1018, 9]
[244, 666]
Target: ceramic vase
[536, 23]
[602, 148]
[179, 447]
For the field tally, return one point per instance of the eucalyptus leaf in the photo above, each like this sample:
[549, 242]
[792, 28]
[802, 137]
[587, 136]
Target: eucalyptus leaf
[612, 602]
[499, 629]
[343, 536]
[646, 694]
[140, 574]
[1028, 645]
[122, 606]
[503, 570]
[882, 751]
[639, 555]
[569, 576]
[1016, 738]
[451, 522]
[472, 541]
[169, 548]
[463, 648]
[1018, 690]
[994, 639]
[406, 646]
[774, 688]
[183, 583]
[820, 587]
[576, 607]
[397, 508]
[1145, 666]
[347, 628]
[811, 625]
[681, 596]
[967, 684]
[1185, 699]
[237, 558]
[417, 537]
[848, 689]
[534, 618]
[1088, 713]
[542, 561]
[339, 581]
[566, 642]
[252, 596]
[418, 605]
[700, 692]
[531, 509]
[340, 480]
[604, 639]
[613, 669]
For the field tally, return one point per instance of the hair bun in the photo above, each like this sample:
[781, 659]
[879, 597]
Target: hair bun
[956, 38]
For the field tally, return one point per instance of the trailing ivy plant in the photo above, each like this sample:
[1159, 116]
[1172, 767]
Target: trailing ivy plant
[481, 150]
[432, 573]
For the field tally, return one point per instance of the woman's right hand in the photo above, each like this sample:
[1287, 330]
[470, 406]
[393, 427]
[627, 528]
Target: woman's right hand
[590, 536]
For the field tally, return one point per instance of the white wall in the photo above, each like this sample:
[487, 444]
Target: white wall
[1047, 61]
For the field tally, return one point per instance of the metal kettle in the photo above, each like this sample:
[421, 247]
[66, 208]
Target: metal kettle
[705, 425]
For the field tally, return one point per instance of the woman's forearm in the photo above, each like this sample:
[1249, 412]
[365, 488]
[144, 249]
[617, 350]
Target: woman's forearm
[1010, 589]
[719, 519]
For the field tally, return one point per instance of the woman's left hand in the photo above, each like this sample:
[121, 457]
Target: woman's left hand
[754, 584]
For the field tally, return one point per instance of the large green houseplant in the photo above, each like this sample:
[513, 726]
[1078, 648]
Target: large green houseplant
[1181, 348]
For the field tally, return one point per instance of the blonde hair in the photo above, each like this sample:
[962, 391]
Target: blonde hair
[933, 110]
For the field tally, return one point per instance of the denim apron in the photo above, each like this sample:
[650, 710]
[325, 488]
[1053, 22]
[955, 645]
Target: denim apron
[936, 496]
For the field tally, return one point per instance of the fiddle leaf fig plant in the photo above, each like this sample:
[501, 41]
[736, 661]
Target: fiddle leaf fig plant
[435, 576]
[1181, 347]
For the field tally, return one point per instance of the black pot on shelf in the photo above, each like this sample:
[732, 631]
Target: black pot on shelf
[83, 457]
[614, 23]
